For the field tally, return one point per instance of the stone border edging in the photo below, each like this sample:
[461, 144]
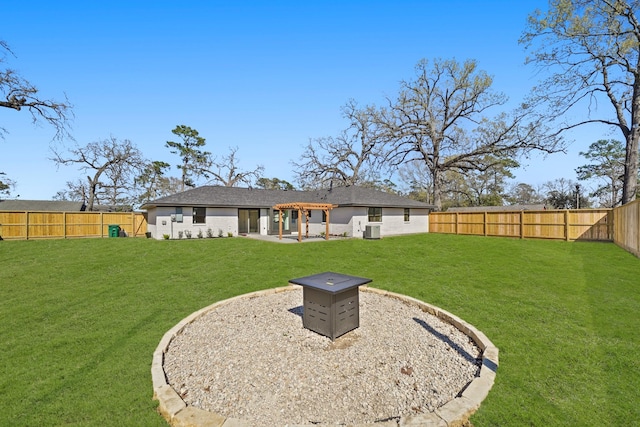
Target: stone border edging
[452, 414]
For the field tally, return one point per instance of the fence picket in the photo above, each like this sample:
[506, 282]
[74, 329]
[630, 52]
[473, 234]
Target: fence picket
[583, 224]
[21, 225]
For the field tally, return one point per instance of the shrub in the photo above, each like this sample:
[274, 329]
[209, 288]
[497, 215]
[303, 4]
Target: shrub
[165, 236]
[209, 233]
[188, 234]
[200, 235]
[180, 233]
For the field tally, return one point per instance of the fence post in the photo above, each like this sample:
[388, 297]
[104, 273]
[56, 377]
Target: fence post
[457, 220]
[566, 225]
[522, 224]
[26, 225]
[485, 223]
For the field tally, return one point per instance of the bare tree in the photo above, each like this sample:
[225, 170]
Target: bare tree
[112, 164]
[417, 181]
[152, 181]
[118, 186]
[440, 119]
[455, 190]
[76, 191]
[593, 50]
[226, 171]
[19, 94]
[347, 159]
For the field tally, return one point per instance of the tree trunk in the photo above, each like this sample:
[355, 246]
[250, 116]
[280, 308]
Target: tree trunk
[437, 190]
[630, 189]
[92, 194]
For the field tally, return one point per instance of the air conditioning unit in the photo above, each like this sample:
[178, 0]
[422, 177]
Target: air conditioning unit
[372, 232]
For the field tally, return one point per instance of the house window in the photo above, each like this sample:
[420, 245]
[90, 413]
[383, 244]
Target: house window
[199, 215]
[324, 216]
[178, 214]
[407, 215]
[375, 214]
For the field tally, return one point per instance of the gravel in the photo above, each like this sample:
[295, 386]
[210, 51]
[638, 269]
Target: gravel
[252, 359]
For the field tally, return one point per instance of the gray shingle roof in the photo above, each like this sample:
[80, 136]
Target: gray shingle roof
[259, 198]
[41, 205]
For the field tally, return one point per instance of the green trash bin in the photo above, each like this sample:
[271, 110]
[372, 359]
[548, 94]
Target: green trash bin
[114, 229]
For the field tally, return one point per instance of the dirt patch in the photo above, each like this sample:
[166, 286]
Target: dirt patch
[345, 341]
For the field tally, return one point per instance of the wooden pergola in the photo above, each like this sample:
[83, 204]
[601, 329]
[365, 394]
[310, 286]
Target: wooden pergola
[304, 209]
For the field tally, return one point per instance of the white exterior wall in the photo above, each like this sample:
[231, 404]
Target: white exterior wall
[361, 220]
[393, 222]
[216, 219]
[263, 227]
[349, 220]
[151, 222]
[353, 221]
[339, 222]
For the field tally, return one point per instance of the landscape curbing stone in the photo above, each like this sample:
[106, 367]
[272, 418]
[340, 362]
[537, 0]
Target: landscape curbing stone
[455, 413]
[422, 420]
[194, 417]
[157, 371]
[170, 402]
[478, 390]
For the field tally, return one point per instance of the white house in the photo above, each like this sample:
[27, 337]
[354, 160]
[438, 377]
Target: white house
[351, 211]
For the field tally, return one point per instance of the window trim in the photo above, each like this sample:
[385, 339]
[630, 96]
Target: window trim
[407, 214]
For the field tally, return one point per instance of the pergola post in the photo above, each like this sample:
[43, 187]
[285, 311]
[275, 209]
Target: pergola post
[280, 224]
[299, 225]
[326, 234]
[306, 220]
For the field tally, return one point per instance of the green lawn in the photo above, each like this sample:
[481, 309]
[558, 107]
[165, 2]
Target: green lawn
[80, 319]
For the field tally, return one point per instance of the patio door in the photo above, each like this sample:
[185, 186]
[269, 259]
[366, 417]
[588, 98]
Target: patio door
[274, 222]
[248, 220]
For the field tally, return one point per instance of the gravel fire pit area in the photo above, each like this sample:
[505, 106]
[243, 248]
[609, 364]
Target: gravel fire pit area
[249, 361]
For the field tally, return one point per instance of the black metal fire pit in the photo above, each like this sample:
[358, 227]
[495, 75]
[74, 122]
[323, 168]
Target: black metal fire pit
[331, 303]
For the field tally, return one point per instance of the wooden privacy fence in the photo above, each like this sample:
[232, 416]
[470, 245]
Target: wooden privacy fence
[583, 224]
[62, 225]
[626, 225]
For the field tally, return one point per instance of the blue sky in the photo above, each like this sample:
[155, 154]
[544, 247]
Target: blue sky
[263, 76]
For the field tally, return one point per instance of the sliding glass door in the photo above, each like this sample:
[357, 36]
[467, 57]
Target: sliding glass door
[248, 221]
